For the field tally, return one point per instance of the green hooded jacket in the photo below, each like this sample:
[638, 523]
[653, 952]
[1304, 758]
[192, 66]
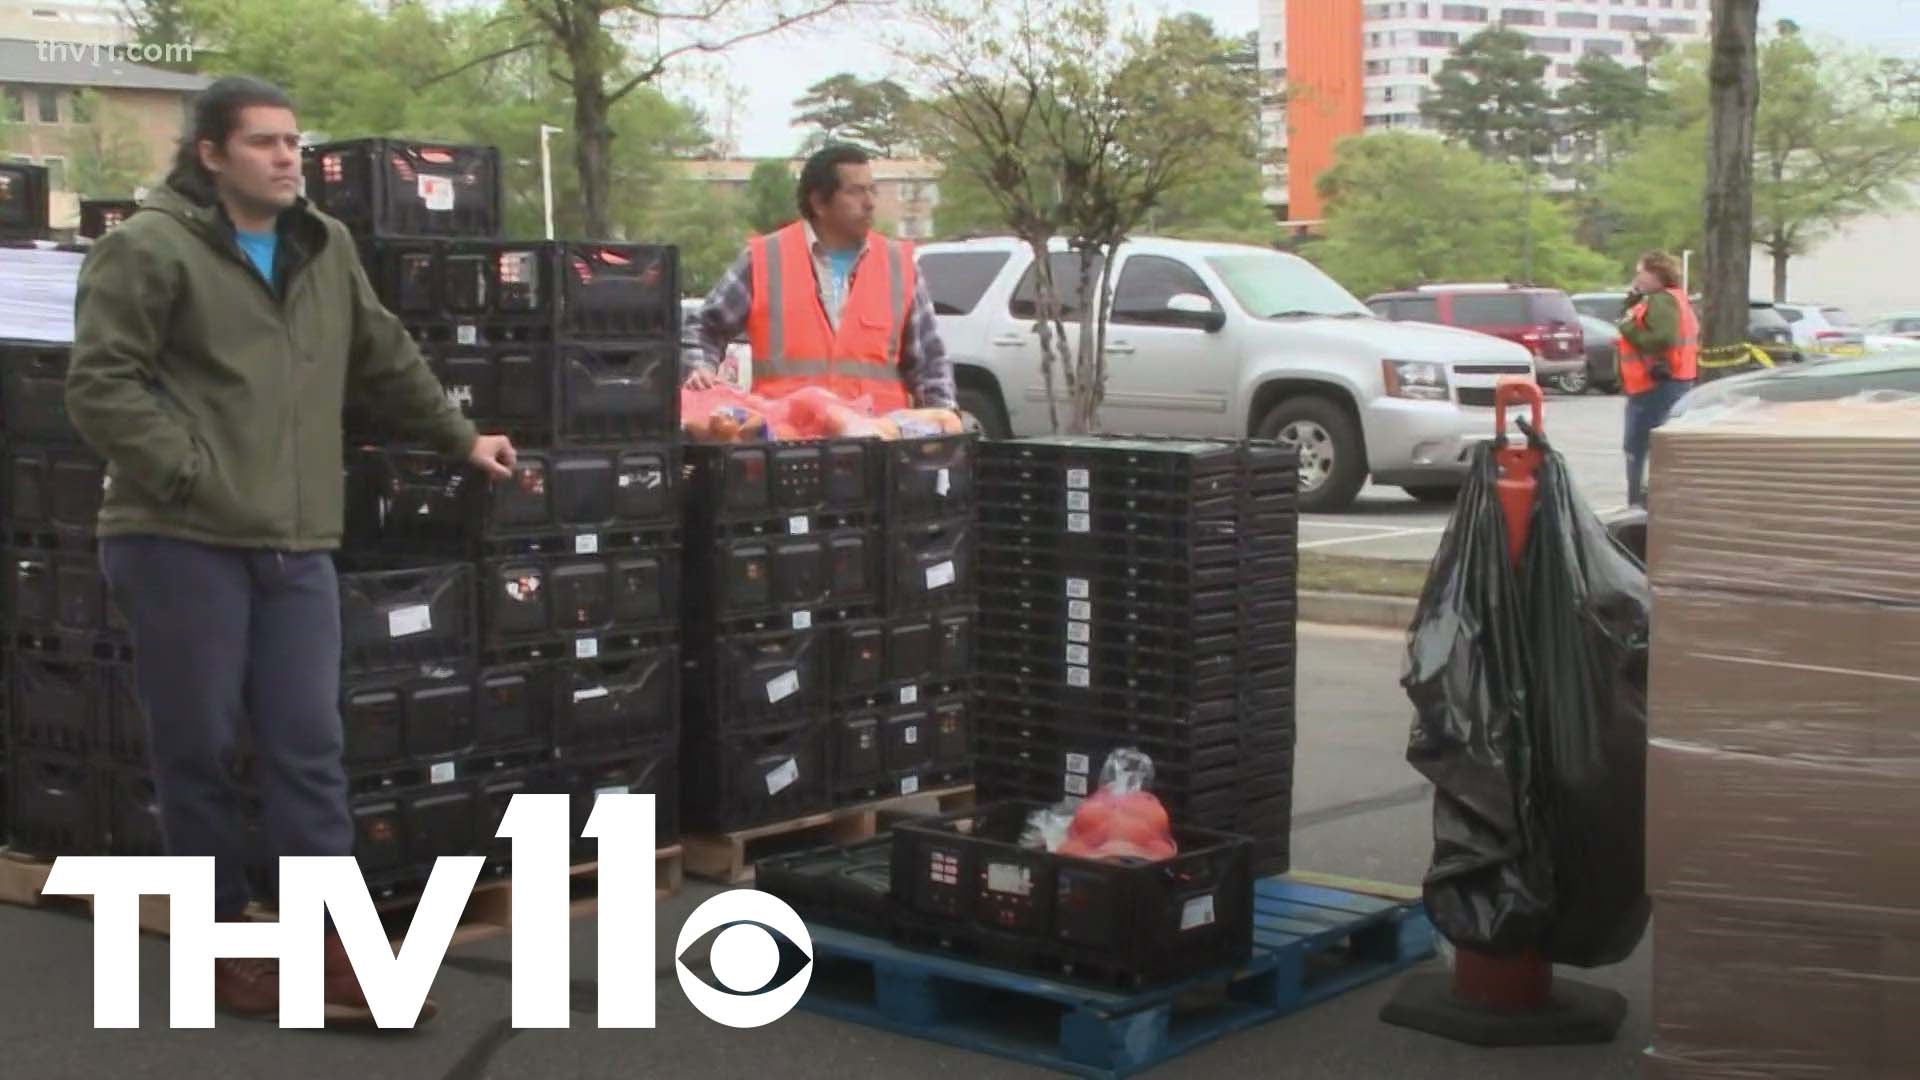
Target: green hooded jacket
[216, 398]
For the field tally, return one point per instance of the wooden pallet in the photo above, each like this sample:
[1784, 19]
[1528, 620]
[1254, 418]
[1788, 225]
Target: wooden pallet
[489, 912]
[728, 858]
[1311, 943]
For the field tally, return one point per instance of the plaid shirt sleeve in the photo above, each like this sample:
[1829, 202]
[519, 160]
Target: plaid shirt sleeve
[924, 366]
[725, 313]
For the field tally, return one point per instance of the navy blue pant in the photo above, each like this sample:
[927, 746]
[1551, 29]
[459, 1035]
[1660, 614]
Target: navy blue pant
[1644, 413]
[234, 643]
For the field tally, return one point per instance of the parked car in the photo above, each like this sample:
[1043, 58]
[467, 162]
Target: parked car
[1902, 324]
[1819, 380]
[1820, 327]
[1605, 306]
[1542, 320]
[1229, 340]
[1603, 357]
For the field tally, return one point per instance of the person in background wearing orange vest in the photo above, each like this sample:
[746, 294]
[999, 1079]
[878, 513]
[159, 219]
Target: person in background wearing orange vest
[826, 301]
[1659, 358]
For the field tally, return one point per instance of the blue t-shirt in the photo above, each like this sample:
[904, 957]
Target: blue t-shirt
[842, 264]
[259, 247]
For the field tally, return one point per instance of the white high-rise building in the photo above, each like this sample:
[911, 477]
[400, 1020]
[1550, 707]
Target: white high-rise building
[1338, 67]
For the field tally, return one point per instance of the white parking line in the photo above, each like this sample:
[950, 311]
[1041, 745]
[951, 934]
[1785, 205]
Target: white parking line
[1329, 542]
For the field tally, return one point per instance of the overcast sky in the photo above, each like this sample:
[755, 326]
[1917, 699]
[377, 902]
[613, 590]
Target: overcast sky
[773, 72]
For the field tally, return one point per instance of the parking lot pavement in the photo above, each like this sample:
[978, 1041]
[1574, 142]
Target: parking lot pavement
[1386, 523]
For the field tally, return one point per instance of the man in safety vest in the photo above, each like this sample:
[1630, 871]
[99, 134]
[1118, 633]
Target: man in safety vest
[826, 301]
[1659, 358]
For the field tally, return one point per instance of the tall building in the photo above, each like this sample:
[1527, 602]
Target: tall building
[1335, 68]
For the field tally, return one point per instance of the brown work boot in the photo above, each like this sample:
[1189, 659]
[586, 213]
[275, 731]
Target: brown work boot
[247, 986]
[346, 1003]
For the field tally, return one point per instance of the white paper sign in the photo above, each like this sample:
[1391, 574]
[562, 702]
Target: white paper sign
[1079, 676]
[586, 544]
[1076, 785]
[942, 483]
[913, 734]
[783, 777]
[909, 785]
[1006, 878]
[1079, 523]
[1197, 912]
[1079, 654]
[1078, 478]
[412, 619]
[437, 192]
[909, 695]
[442, 773]
[1079, 763]
[782, 688]
[798, 525]
[593, 694]
[586, 648]
[467, 335]
[1078, 589]
[1079, 500]
[940, 575]
[1079, 609]
[803, 620]
[1080, 632]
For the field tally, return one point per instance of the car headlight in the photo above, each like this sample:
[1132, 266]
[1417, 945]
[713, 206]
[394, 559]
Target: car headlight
[1419, 380]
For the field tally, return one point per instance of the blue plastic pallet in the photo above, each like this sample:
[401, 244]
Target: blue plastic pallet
[1310, 943]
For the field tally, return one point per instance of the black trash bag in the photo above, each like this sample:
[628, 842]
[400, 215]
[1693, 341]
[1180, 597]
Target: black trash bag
[1489, 887]
[1588, 610]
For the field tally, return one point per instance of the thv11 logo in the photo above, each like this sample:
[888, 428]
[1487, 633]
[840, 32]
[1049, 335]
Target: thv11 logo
[761, 953]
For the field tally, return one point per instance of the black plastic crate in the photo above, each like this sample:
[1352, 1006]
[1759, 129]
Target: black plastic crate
[33, 392]
[399, 615]
[390, 187]
[1213, 724]
[55, 803]
[743, 680]
[872, 656]
[133, 813]
[1172, 463]
[931, 564]
[963, 881]
[495, 796]
[788, 481]
[59, 594]
[408, 716]
[506, 388]
[61, 706]
[740, 778]
[99, 215]
[1210, 566]
[618, 392]
[1259, 612]
[1077, 758]
[564, 289]
[514, 705]
[848, 887]
[1152, 639]
[53, 488]
[882, 753]
[615, 702]
[1112, 697]
[400, 833]
[780, 573]
[573, 501]
[24, 201]
[646, 768]
[929, 477]
[534, 599]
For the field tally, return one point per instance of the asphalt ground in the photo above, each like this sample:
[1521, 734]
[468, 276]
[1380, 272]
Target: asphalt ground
[1360, 812]
[1387, 523]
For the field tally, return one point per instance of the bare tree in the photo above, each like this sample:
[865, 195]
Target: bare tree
[603, 50]
[1734, 97]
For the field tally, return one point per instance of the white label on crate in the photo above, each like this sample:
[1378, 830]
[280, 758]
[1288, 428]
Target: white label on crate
[782, 688]
[593, 694]
[437, 192]
[1079, 654]
[1079, 523]
[1078, 589]
[1078, 478]
[1079, 632]
[803, 620]
[1079, 500]
[444, 772]
[913, 734]
[798, 525]
[783, 777]
[614, 790]
[412, 619]
[1079, 676]
[1079, 763]
[909, 785]
[942, 483]
[909, 695]
[1010, 879]
[467, 334]
[1197, 912]
[1079, 609]
[586, 544]
[586, 648]
[1076, 785]
[940, 575]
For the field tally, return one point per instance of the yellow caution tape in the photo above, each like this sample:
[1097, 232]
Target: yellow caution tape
[1726, 356]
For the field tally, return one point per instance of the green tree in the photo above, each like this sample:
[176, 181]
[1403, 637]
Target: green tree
[1606, 106]
[166, 22]
[1462, 221]
[1492, 96]
[831, 105]
[770, 196]
[708, 222]
[105, 157]
[877, 115]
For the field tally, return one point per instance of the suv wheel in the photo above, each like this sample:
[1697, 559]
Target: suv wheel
[1575, 381]
[1333, 464]
[980, 412]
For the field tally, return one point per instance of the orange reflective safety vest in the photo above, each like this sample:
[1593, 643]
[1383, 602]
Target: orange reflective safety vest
[794, 345]
[1683, 356]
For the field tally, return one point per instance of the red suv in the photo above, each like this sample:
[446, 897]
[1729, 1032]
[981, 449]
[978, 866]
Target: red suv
[1544, 320]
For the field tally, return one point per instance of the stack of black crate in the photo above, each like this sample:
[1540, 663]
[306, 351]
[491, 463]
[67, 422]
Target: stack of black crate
[828, 614]
[1141, 593]
[570, 348]
[77, 780]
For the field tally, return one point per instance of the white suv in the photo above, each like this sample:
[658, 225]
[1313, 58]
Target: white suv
[1229, 340]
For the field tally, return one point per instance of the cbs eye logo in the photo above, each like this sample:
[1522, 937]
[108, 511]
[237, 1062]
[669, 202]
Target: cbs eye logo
[761, 958]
